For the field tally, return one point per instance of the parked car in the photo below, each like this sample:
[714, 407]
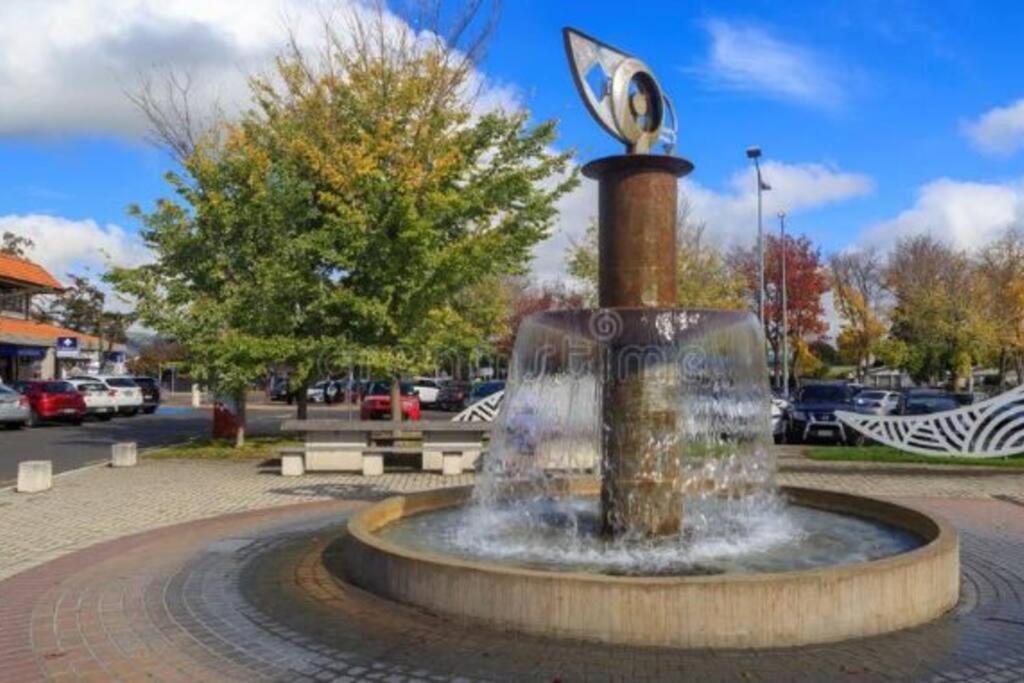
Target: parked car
[377, 403]
[326, 391]
[813, 413]
[150, 393]
[14, 408]
[876, 402]
[279, 390]
[927, 401]
[100, 400]
[454, 396]
[428, 389]
[482, 390]
[52, 400]
[128, 394]
[779, 412]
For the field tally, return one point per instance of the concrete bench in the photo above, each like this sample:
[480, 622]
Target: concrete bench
[293, 461]
[348, 445]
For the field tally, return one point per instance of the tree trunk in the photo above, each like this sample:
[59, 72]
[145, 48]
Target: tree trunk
[241, 416]
[302, 403]
[396, 399]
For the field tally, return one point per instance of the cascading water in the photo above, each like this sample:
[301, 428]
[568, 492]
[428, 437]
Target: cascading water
[688, 392]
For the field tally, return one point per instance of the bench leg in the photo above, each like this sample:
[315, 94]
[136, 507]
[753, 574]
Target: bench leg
[451, 463]
[373, 465]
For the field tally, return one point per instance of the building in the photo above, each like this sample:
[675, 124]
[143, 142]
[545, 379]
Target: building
[28, 349]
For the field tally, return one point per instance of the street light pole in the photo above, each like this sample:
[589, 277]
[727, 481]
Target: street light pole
[754, 153]
[785, 311]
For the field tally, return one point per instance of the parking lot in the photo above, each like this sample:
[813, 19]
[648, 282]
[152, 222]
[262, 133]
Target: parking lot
[70, 446]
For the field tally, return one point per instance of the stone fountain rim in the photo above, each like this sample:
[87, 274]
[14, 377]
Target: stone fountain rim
[939, 539]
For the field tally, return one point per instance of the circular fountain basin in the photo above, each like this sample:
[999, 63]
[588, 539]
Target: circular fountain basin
[692, 605]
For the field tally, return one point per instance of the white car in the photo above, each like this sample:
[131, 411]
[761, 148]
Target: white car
[876, 402]
[427, 389]
[127, 394]
[100, 400]
[778, 412]
[14, 410]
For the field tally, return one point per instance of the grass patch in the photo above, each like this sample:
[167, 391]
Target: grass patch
[887, 454]
[255, 448]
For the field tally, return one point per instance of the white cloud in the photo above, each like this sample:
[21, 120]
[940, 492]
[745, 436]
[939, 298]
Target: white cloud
[796, 188]
[998, 131]
[730, 215]
[750, 59]
[65, 65]
[65, 246]
[965, 214]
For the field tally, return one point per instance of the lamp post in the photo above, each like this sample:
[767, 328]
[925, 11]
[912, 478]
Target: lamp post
[754, 153]
[785, 311]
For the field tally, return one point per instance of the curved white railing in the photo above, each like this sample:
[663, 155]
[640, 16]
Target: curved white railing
[990, 429]
[484, 410]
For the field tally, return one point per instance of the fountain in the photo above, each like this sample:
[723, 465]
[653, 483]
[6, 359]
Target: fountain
[629, 493]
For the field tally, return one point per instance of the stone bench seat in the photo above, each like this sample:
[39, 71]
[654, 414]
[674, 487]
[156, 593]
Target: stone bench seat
[360, 445]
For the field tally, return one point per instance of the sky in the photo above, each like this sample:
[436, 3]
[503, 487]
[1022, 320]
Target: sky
[877, 120]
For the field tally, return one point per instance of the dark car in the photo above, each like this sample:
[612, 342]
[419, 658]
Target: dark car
[484, 389]
[813, 413]
[53, 400]
[453, 395]
[927, 402]
[279, 390]
[150, 394]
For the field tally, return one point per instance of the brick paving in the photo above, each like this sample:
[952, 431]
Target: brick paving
[216, 571]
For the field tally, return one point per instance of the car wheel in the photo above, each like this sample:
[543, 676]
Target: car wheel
[105, 417]
[150, 410]
[77, 422]
[13, 425]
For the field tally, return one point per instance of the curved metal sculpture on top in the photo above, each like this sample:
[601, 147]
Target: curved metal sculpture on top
[991, 429]
[627, 100]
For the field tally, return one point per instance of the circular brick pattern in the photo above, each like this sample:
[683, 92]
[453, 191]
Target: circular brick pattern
[250, 597]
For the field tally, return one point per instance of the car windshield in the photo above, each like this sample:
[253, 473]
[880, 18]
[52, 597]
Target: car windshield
[872, 395]
[384, 389]
[824, 392]
[58, 388]
[933, 404]
[121, 382]
[91, 386]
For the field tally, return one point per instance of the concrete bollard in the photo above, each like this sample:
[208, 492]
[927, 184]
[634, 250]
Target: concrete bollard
[35, 476]
[124, 454]
[197, 396]
[292, 465]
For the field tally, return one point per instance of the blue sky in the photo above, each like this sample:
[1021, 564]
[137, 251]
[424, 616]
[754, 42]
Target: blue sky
[877, 119]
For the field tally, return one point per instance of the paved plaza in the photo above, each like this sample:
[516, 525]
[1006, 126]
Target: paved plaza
[221, 571]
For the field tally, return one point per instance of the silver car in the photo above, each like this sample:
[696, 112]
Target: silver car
[876, 402]
[14, 410]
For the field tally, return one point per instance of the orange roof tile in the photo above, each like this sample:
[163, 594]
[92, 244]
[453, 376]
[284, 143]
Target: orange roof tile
[20, 270]
[45, 334]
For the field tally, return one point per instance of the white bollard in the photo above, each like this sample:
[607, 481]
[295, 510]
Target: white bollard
[197, 396]
[292, 465]
[124, 454]
[35, 476]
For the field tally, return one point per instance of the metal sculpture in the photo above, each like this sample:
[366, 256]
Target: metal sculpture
[627, 100]
[484, 410]
[990, 429]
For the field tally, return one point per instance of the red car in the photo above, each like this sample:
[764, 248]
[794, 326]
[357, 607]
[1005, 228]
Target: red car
[52, 400]
[377, 403]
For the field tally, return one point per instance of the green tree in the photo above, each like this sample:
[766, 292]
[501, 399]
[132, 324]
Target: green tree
[15, 245]
[340, 220]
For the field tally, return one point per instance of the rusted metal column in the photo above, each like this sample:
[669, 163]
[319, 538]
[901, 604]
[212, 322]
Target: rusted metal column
[640, 493]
